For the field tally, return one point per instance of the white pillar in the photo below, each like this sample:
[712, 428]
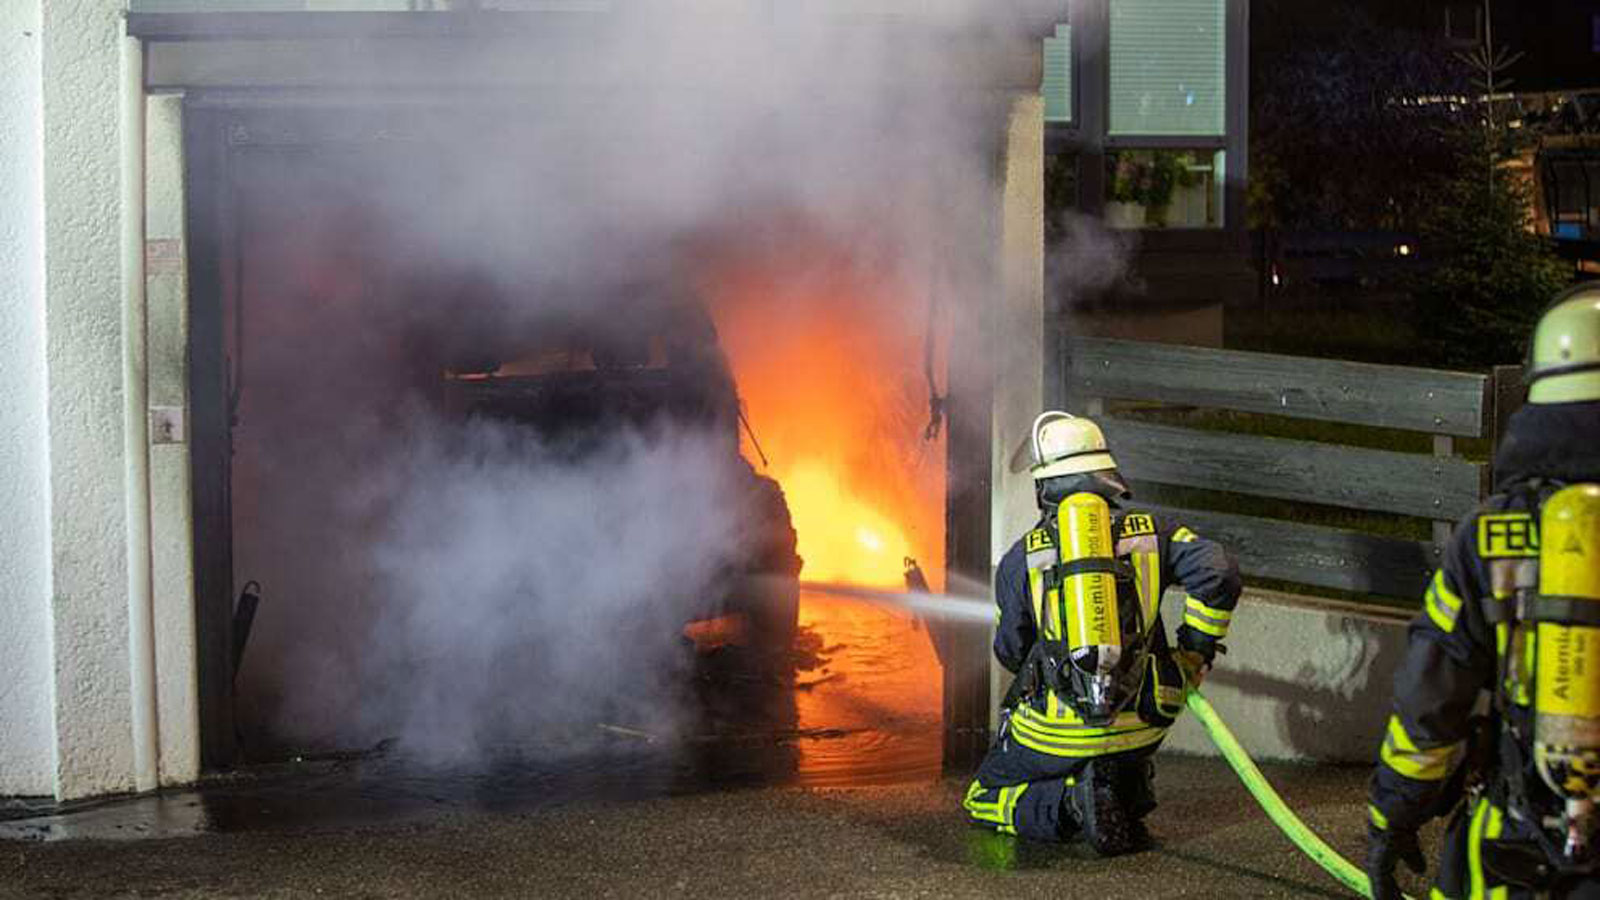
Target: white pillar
[172, 543]
[27, 739]
[1019, 332]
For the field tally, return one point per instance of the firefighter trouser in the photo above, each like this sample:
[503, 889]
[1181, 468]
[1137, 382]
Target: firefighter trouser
[1022, 791]
[1487, 853]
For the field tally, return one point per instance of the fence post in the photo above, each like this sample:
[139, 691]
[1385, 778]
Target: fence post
[1506, 395]
[1057, 362]
[1443, 446]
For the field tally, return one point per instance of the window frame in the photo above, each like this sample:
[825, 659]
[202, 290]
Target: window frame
[1088, 135]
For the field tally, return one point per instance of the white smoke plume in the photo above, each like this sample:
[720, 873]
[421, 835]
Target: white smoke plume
[461, 585]
[586, 571]
[1088, 261]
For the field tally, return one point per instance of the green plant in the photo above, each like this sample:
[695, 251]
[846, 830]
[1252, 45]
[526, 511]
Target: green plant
[1149, 177]
[1494, 273]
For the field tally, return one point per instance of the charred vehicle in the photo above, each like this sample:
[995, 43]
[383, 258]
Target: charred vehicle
[644, 365]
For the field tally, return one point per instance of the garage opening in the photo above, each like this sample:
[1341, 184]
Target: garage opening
[502, 478]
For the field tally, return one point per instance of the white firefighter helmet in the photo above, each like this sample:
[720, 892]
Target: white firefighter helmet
[1564, 354]
[1064, 444]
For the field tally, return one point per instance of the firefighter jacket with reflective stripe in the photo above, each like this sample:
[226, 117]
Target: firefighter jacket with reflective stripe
[1160, 553]
[1433, 743]
[1457, 643]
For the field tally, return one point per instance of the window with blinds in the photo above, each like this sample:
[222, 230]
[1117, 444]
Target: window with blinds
[1057, 87]
[1167, 67]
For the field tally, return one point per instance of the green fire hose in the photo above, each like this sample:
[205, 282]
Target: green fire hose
[1282, 816]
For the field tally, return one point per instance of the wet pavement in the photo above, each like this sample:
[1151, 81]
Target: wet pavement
[825, 784]
[905, 840]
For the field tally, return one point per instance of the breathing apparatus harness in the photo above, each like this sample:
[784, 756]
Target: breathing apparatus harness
[1547, 690]
[1091, 645]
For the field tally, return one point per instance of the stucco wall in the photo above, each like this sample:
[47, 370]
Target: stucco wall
[83, 309]
[27, 746]
[1019, 352]
[1019, 323]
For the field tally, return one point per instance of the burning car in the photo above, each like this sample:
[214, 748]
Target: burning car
[644, 364]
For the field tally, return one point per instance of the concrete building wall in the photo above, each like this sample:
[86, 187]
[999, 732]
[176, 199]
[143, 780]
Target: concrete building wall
[70, 346]
[1303, 679]
[83, 319]
[171, 509]
[27, 745]
[1018, 355]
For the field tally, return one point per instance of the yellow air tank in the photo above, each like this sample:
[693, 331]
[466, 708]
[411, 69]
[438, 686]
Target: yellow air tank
[1089, 592]
[1567, 665]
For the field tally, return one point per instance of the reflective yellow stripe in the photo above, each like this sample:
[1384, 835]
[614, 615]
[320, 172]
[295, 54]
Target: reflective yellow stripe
[980, 809]
[1486, 824]
[1007, 799]
[1209, 619]
[1492, 831]
[1147, 571]
[973, 790]
[1093, 747]
[1066, 738]
[1402, 754]
[1475, 851]
[1377, 817]
[1200, 624]
[1067, 724]
[1009, 808]
[1087, 737]
[1443, 605]
[1183, 535]
[1199, 606]
[1444, 621]
[1528, 658]
[1047, 625]
[1001, 812]
[1450, 598]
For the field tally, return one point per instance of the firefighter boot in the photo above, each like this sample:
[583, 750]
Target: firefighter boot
[1137, 790]
[1092, 802]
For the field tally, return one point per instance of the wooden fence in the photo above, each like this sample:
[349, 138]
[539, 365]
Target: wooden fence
[1440, 486]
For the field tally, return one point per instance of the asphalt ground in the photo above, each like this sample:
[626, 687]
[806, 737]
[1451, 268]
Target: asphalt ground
[908, 840]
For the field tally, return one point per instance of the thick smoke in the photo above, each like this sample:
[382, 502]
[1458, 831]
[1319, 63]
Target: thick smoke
[537, 594]
[463, 584]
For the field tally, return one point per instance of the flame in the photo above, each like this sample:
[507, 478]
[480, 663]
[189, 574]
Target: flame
[828, 360]
[829, 366]
[841, 538]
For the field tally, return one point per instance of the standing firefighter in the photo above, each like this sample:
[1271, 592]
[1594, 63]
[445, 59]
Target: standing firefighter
[1513, 615]
[1096, 683]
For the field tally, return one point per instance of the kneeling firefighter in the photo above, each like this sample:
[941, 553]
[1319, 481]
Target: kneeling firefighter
[1513, 616]
[1097, 684]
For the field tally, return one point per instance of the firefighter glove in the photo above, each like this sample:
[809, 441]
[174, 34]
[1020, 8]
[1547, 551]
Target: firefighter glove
[1385, 851]
[1193, 665]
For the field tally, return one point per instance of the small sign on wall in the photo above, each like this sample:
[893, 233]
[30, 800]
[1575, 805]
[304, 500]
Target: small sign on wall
[166, 425]
[163, 257]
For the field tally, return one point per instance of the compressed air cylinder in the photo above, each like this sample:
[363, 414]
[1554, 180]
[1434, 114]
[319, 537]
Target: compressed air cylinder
[1567, 665]
[1093, 626]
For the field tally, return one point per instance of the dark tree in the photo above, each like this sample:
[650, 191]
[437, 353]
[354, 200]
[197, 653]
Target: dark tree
[1351, 123]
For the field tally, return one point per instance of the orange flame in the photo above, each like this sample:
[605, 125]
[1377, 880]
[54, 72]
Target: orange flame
[828, 360]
